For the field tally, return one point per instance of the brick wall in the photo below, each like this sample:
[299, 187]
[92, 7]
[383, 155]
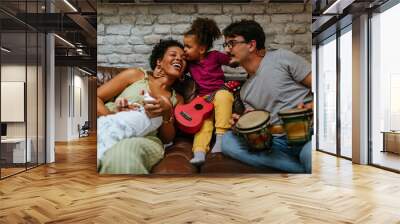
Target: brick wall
[126, 33]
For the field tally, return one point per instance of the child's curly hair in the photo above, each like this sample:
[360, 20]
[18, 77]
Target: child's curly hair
[205, 30]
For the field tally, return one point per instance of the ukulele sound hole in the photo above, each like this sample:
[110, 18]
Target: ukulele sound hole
[198, 106]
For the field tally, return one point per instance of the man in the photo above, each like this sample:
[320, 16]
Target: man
[278, 80]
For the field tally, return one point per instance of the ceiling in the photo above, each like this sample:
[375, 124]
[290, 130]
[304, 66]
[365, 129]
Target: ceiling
[332, 15]
[76, 24]
[198, 1]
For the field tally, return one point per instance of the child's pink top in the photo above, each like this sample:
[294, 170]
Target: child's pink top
[208, 73]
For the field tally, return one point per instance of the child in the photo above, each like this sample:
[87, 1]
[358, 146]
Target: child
[205, 68]
[125, 124]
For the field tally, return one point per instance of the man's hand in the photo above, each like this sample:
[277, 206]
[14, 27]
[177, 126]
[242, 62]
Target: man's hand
[309, 105]
[234, 119]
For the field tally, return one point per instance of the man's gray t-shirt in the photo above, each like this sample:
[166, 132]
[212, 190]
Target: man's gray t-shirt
[276, 85]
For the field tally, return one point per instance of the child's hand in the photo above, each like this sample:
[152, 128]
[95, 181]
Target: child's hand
[123, 104]
[158, 72]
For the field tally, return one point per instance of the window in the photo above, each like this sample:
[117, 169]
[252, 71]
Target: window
[346, 92]
[385, 87]
[327, 96]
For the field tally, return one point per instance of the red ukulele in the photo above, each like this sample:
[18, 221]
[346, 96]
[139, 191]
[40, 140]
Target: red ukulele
[190, 117]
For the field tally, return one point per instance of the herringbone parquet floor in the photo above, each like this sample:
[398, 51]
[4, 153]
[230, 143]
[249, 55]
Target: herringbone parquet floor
[70, 191]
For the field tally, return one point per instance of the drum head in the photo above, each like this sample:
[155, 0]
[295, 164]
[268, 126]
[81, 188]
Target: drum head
[295, 111]
[252, 119]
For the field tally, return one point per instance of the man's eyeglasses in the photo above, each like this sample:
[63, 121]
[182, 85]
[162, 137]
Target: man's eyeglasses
[232, 43]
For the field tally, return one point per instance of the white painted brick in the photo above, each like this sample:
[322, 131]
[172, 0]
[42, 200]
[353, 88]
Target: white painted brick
[308, 8]
[142, 49]
[123, 49]
[262, 19]
[302, 39]
[295, 28]
[288, 27]
[130, 58]
[283, 39]
[122, 29]
[107, 10]
[300, 49]
[242, 17]
[209, 9]
[152, 39]
[302, 18]
[105, 49]
[162, 29]
[100, 40]
[285, 8]
[145, 20]
[125, 10]
[142, 30]
[253, 8]
[116, 39]
[159, 9]
[134, 40]
[101, 58]
[274, 28]
[184, 9]
[222, 19]
[133, 10]
[180, 29]
[113, 58]
[280, 46]
[232, 9]
[173, 18]
[131, 19]
[102, 65]
[111, 20]
[100, 29]
[281, 18]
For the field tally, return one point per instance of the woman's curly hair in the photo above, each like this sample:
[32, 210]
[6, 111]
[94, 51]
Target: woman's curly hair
[205, 30]
[160, 49]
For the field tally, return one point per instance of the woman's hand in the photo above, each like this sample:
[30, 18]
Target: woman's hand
[161, 106]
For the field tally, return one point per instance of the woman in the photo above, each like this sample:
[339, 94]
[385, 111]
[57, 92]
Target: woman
[137, 155]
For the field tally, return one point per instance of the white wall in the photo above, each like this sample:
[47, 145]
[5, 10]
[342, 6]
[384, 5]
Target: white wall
[70, 83]
[16, 73]
[61, 103]
[33, 126]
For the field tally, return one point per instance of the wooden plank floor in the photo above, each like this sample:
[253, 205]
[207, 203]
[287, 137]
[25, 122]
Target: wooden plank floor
[70, 191]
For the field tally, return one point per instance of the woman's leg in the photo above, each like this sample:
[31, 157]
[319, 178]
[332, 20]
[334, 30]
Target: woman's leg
[132, 156]
[223, 101]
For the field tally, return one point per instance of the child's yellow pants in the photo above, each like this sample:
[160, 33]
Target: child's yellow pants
[223, 101]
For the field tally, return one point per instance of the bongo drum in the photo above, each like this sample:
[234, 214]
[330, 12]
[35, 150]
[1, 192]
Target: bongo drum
[297, 124]
[253, 127]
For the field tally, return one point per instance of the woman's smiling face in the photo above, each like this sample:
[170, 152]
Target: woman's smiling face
[173, 62]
